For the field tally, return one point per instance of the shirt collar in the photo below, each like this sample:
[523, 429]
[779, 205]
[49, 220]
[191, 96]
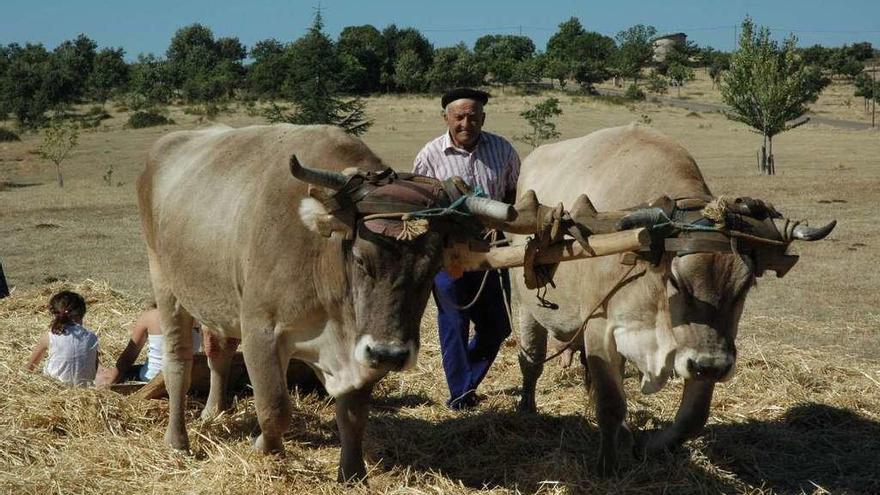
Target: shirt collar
[448, 144]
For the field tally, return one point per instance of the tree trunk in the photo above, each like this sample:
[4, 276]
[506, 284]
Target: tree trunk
[763, 162]
[60, 175]
[771, 166]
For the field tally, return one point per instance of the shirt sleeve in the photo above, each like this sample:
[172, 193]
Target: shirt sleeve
[421, 166]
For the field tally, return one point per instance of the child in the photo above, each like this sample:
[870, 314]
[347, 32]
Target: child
[73, 349]
[146, 331]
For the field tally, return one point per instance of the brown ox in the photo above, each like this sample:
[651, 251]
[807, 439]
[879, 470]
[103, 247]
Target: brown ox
[231, 240]
[679, 316]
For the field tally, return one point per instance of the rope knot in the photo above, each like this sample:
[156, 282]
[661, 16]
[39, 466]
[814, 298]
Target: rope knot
[412, 228]
[716, 210]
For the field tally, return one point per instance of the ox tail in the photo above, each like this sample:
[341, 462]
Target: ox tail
[145, 203]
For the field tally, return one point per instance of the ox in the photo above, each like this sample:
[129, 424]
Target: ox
[679, 315]
[233, 240]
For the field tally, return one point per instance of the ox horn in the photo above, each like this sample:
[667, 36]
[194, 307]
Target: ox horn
[807, 233]
[797, 231]
[488, 210]
[318, 177]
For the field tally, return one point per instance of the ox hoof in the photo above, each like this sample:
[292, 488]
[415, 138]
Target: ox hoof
[606, 468]
[527, 406]
[211, 411]
[268, 446]
[352, 474]
[176, 440]
[658, 444]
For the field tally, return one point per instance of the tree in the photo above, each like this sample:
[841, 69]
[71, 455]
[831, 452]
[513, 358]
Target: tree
[716, 63]
[314, 85]
[203, 68]
[540, 119]
[677, 68]
[573, 52]
[151, 80]
[72, 63]
[409, 72]
[60, 139]
[455, 67]
[867, 88]
[109, 74]
[767, 87]
[679, 73]
[656, 83]
[265, 74]
[362, 51]
[24, 91]
[634, 50]
[191, 49]
[418, 51]
[503, 55]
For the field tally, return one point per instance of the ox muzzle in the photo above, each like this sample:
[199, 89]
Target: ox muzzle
[390, 356]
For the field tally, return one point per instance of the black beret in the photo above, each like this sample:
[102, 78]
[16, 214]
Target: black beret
[459, 93]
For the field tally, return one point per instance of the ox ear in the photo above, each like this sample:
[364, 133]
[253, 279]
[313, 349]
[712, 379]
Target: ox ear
[315, 217]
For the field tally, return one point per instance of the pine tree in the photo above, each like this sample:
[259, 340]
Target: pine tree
[313, 87]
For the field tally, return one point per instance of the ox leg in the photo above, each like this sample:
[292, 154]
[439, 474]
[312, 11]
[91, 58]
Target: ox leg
[267, 367]
[352, 410]
[220, 352]
[176, 365]
[606, 386]
[693, 412]
[532, 352]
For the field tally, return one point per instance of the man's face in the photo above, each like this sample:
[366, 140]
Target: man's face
[464, 118]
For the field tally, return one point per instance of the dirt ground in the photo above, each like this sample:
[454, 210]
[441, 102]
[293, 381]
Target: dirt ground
[808, 342]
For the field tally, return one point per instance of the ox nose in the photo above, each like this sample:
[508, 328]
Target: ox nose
[393, 356]
[709, 368]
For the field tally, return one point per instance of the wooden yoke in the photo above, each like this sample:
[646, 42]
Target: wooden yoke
[530, 218]
[459, 258]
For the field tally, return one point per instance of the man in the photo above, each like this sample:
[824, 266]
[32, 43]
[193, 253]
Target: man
[4, 289]
[488, 162]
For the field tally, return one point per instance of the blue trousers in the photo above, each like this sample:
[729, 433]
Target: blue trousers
[466, 360]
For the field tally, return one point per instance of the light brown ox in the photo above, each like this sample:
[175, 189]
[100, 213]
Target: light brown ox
[680, 316]
[231, 240]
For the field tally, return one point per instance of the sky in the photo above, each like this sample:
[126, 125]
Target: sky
[146, 26]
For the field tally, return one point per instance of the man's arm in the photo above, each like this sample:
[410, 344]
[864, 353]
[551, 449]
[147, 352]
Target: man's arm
[421, 166]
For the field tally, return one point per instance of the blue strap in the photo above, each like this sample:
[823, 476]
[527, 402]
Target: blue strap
[452, 209]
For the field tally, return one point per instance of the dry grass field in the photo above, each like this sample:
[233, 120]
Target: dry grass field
[801, 416]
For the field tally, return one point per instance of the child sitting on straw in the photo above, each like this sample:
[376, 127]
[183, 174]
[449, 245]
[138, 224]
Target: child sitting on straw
[146, 330]
[73, 349]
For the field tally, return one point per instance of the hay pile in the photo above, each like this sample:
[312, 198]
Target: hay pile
[791, 421]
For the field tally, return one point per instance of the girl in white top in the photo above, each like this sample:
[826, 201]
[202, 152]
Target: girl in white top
[146, 330]
[73, 349]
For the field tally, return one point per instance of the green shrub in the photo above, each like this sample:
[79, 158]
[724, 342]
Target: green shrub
[611, 99]
[92, 118]
[149, 118]
[210, 110]
[633, 92]
[6, 135]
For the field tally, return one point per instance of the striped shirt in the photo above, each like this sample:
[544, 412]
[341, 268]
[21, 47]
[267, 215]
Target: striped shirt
[493, 165]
